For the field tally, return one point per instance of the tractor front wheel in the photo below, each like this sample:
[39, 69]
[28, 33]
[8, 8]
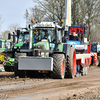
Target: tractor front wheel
[9, 68]
[17, 72]
[58, 66]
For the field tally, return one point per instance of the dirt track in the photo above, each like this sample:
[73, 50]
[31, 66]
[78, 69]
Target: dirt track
[79, 88]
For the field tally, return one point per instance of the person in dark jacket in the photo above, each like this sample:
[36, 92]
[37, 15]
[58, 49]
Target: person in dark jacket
[74, 37]
[47, 36]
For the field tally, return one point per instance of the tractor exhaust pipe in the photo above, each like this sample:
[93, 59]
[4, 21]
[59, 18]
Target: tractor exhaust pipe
[30, 40]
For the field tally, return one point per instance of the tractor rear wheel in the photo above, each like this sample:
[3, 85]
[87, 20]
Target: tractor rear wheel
[17, 72]
[9, 68]
[71, 63]
[58, 66]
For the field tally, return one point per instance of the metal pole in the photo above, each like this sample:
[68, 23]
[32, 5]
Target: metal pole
[26, 20]
[30, 41]
[67, 13]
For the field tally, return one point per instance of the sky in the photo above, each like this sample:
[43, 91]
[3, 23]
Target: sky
[12, 12]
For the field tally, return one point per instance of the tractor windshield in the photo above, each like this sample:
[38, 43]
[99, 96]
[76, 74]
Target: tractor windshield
[44, 33]
[24, 37]
[8, 45]
[5, 44]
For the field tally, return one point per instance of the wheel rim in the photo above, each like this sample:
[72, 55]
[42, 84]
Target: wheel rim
[84, 68]
[87, 66]
[63, 67]
[97, 62]
[74, 63]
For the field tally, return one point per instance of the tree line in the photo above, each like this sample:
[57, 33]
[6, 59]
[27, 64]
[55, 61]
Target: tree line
[54, 10]
[81, 11]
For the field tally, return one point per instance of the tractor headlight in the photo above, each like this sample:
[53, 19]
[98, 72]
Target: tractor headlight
[15, 47]
[42, 53]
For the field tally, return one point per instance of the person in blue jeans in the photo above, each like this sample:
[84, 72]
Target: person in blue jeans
[47, 36]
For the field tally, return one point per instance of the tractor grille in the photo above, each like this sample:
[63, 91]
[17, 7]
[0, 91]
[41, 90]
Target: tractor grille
[37, 48]
[42, 47]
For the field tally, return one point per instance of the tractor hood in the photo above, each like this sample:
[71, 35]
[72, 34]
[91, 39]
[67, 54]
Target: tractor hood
[45, 45]
[3, 48]
[18, 44]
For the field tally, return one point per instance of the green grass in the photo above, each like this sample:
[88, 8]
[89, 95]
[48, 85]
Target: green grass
[94, 66]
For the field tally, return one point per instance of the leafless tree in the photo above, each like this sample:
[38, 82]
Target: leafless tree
[5, 34]
[82, 11]
[52, 10]
[13, 26]
[1, 21]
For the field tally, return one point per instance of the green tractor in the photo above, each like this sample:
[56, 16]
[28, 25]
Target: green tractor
[4, 45]
[45, 53]
[8, 62]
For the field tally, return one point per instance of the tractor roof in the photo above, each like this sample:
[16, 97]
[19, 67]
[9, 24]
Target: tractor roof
[46, 25]
[5, 40]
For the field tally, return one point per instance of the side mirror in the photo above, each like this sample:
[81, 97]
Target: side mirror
[29, 26]
[9, 36]
[18, 33]
[13, 37]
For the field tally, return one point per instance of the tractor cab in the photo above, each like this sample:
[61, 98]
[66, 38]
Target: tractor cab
[23, 39]
[95, 47]
[44, 35]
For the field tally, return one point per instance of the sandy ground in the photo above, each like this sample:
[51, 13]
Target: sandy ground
[44, 88]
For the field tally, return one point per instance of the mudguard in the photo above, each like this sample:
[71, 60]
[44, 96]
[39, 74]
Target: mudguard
[66, 48]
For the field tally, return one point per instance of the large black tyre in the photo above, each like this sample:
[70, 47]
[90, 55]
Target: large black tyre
[6, 58]
[58, 66]
[9, 68]
[17, 72]
[71, 63]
